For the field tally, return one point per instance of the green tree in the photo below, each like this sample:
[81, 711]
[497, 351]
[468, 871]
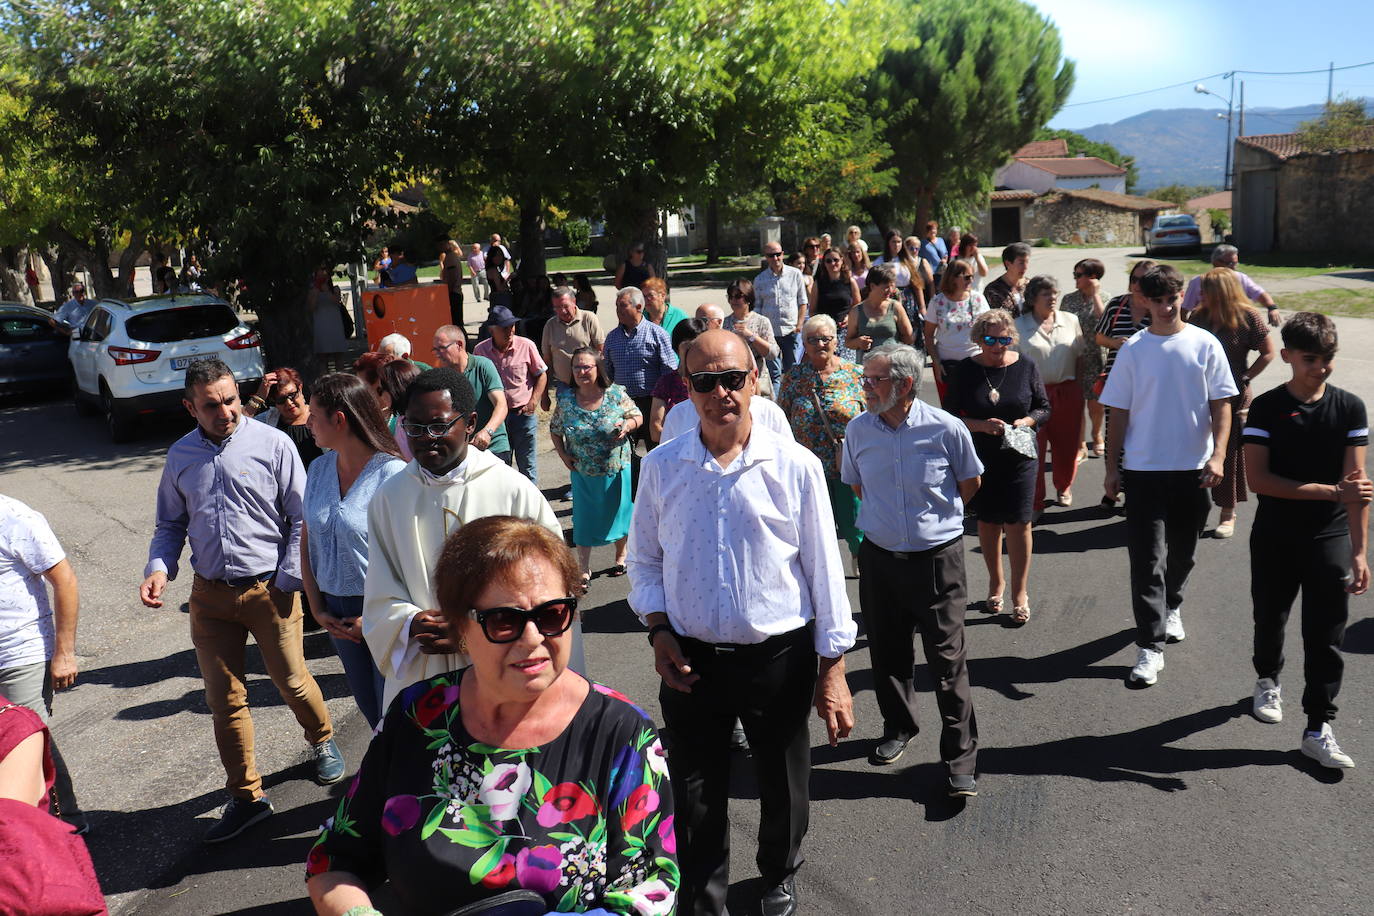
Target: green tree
[979, 82]
[1081, 145]
[1342, 124]
[1180, 194]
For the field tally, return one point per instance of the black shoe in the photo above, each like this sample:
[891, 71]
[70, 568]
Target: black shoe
[239, 815]
[963, 785]
[889, 749]
[738, 741]
[780, 900]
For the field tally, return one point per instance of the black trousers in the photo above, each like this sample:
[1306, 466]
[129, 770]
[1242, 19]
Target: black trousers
[640, 435]
[1164, 517]
[1280, 565]
[455, 308]
[902, 595]
[769, 688]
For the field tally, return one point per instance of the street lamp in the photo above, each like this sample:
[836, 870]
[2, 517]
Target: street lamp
[1199, 88]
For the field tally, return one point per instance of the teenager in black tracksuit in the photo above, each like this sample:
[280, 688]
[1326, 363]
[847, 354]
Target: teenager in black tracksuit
[1304, 454]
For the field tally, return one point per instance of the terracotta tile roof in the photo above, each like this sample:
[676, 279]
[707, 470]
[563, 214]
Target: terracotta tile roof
[1076, 167]
[1220, 200]
[1113, 199]
[1286, 146]
[1043, 149]
[1013, 195]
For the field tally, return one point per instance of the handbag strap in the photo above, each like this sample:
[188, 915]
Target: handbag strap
[825, 420]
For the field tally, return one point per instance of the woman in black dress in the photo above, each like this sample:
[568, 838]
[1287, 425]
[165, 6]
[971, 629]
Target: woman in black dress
[992, 392]
[834, 293]
[635, 270]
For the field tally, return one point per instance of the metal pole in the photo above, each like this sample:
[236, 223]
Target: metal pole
[1240, 129]
[1330, 72]
[1230, 114]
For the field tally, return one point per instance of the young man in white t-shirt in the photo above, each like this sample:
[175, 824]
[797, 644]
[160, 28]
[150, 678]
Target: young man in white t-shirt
[1168, 394]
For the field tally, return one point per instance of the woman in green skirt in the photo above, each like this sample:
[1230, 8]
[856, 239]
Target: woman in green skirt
[590, 430]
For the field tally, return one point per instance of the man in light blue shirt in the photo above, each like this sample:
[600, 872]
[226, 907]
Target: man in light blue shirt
[914, 467]
[72, 314]
[235, 490]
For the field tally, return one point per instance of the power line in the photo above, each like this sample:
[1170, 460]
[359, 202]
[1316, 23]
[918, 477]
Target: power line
[1225, 74]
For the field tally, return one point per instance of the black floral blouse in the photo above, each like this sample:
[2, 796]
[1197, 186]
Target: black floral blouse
[585, 820]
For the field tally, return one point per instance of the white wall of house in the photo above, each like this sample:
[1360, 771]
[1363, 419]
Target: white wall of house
[1020, 175]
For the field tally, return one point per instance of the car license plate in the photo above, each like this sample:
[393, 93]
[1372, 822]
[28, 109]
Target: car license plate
[181, 362]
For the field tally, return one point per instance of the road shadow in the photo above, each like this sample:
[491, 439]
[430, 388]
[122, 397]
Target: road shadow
[1359, 637]
[611, 617]
[1110, 534]
[46, 432]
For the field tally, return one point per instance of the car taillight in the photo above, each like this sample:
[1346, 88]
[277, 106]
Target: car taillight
[123, 356]
[245, 341]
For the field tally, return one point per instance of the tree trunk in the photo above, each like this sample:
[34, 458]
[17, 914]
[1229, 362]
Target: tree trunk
[13, 260]
[532, 262]
[94, 255]
[128, 263]
[712, 232]
[283, 320]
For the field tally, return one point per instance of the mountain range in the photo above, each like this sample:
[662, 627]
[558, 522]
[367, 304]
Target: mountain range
[1188, 145]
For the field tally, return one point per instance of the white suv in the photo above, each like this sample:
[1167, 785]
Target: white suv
[130, 358]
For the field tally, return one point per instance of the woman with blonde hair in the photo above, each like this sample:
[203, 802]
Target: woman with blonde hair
[1241, 328]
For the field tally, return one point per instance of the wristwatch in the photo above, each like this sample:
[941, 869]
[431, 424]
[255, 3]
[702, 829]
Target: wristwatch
[656, 629]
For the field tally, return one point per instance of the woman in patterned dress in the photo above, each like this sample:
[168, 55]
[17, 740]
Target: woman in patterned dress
[822, 379]
[590, 429]
[513, 774]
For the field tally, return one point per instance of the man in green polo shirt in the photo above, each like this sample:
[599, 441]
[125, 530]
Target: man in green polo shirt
[450, 349]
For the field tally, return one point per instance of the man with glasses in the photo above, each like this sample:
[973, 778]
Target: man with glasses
[735, 570]
[915, 468]
[72, 314]
[780, 295]
[447, 486]
[811, 255]
[235, 489]
[451, 351]
[1228, 256]
[711, 314]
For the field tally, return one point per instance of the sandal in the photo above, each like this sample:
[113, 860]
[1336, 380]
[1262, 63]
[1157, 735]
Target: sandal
[994, 604]
[1020, 614]
[586, 582]
[616, 570]
[1099, 449]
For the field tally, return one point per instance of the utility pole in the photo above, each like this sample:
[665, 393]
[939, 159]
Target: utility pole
[1240, 130]
[1330, 72]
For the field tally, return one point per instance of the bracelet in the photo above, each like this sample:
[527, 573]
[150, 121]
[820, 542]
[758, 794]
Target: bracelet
[1272, 308]
[656, 629]
[256, 403]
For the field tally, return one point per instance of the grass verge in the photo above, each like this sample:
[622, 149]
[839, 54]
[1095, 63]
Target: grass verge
[1345, 303]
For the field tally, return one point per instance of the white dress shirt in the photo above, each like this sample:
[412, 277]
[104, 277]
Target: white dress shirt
[682, 417]
[742, 553]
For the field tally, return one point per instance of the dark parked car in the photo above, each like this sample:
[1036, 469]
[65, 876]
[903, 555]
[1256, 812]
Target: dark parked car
[32, 354]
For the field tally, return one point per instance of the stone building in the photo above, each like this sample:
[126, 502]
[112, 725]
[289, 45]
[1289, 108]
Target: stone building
[1288, 198]
[1087, 216]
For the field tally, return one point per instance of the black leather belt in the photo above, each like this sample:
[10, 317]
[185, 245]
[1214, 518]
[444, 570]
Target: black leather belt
[912, 554]
[773, 645]
[244, 581]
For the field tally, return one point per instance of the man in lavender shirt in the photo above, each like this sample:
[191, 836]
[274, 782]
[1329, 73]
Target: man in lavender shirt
[236, 489]
[1228, 256]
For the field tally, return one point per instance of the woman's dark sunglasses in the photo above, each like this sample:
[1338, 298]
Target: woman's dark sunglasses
[506, 624]
[730, 379]
[1002, 341]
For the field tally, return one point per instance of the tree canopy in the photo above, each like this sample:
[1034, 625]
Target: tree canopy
[1342, 124]
[975, 84]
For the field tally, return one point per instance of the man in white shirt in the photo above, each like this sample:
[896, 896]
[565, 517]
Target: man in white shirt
[735, 569]
[1169, 395]
[914, 467]
[780, 296]
[37, 638]
[683, 418]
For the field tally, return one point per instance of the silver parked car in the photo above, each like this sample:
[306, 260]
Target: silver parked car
[33, 354]
[1175, 232]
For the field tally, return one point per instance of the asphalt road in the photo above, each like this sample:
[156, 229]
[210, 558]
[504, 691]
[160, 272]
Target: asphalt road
[1094, 798]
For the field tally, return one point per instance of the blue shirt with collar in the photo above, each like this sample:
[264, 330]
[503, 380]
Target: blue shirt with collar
[240, 503]
[910, 476]
[636, 358]
[933, 251]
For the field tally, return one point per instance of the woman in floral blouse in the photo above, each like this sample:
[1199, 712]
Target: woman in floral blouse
[590, 429]
[837, 384]
[514, 773]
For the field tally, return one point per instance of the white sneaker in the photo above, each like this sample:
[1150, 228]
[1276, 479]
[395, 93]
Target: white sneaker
[1173, 626]
[1322, 747]
[1268, 701]
[1148, 664]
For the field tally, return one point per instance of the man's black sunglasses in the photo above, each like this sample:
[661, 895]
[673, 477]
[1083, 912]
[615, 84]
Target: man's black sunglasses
[730, 379]
[506, 624]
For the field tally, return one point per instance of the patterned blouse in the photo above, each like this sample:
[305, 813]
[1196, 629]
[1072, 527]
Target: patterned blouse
[587, 433]
[585, 820]
[841, 396]
[1074, 303]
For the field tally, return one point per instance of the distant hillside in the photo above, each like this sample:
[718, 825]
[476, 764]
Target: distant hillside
[1188, 145]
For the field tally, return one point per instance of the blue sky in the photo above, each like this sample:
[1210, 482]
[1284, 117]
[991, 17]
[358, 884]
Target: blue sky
[1125, 48]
